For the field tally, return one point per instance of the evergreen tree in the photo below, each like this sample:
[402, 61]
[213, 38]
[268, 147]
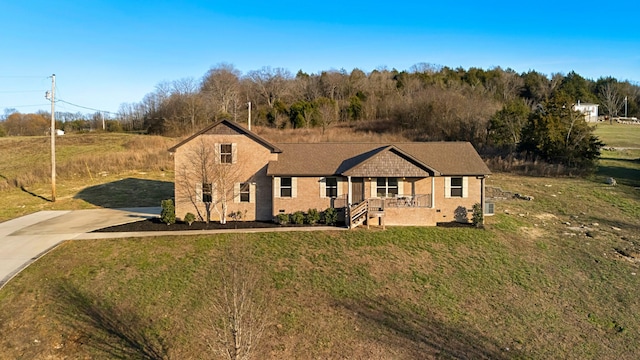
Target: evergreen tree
[558, 134]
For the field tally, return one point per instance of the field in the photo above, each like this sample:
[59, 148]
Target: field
[556, 277]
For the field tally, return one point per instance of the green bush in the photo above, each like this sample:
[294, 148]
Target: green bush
[330, 216]
[168, 213]
[297, 217]
[189, 218]
[477, 217]
[313, 216]
[282, 219]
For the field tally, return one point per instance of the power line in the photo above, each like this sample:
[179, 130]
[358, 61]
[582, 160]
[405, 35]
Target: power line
[85, 107]
[19, 92]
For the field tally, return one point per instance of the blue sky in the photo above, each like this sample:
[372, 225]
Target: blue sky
[105, 53]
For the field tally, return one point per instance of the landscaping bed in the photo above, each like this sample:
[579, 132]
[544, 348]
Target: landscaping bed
[155, 224]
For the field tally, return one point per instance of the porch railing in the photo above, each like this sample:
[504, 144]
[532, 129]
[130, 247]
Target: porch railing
[406, 201]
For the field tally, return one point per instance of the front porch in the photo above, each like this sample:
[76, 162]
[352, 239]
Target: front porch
[398, 210]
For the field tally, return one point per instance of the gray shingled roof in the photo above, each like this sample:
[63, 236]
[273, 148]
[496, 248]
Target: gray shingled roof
[318, 159]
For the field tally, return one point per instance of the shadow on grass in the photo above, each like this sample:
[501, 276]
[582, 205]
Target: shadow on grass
[623, 174]
[129, 192]
[34, 194]
[423, 336]
[112, 331]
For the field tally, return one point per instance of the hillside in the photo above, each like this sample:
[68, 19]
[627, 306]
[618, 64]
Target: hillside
[555, 277]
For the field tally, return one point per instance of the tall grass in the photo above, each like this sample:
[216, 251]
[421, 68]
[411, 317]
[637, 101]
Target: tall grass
[27, 161]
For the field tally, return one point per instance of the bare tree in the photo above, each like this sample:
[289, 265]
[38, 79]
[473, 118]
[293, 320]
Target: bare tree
[327, 111]
[611, 100]
[271, 84]
[207, 178]
[238, 317]
[221, 86]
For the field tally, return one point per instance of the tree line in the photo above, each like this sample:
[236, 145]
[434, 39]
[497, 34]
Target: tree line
[488, 107]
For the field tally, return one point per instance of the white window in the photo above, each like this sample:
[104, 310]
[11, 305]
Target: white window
[457, 186]
[387, 187]
[244, 192]
[331, 187]
[285, 187]
[204, 193]
[226, 153]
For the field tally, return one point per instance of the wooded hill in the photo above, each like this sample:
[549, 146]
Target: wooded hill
[427, 102]
[490, 108]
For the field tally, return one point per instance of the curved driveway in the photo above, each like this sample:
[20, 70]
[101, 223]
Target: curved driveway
[25, 239]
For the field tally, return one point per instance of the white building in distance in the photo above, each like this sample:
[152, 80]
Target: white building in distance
[590, 111]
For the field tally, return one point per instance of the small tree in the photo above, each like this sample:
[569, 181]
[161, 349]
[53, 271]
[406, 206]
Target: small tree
[168, 213]
[477, 216]
[214, 171]
[189, 218]
[238, 316]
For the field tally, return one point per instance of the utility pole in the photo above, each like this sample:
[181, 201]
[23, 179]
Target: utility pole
[249, 118]
[625, 107]
[53, 138]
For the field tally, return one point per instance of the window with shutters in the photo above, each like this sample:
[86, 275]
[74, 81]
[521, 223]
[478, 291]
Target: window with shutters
[331, 187]
[245, 192]
[207, 192]
[456, 187]
[226, 153]
[285, 187]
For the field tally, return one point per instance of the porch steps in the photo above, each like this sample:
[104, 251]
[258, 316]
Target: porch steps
[361, 213]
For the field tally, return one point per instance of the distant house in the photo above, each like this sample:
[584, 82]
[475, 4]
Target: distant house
[412, 183]
[590, 111]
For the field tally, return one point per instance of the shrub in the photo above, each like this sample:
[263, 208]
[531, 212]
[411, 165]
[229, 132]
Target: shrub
[477, 217]
[168, 213]
[282, 219]
[330, 216]
[297, 218]
[189, 218]
[313, 216]
[236, 215]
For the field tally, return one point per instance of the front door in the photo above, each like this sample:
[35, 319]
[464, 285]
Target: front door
[357, 190]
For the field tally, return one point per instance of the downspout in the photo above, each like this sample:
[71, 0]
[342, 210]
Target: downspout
[482, 197]
[433, 192]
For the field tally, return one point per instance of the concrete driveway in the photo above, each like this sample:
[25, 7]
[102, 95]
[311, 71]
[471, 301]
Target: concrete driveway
[25, 239]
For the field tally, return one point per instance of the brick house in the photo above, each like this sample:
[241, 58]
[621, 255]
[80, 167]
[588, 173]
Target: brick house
[394, 184]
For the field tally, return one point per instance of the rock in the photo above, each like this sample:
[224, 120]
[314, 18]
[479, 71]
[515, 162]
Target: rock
[616, 228]
[611, 181]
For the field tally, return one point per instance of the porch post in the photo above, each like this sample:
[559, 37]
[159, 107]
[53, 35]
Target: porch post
[349, 195]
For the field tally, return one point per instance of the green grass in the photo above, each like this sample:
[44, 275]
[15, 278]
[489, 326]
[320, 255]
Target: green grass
[619, 135]
[528, 282]
[530, 285]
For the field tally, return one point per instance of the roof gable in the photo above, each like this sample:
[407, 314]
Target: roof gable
[226, 127]
[389, 161]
